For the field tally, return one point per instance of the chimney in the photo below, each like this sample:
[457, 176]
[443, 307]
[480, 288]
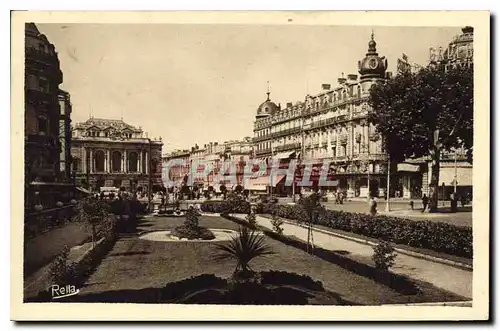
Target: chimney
[289, 105]
[352, 77]
[326, 86]
[341, 80]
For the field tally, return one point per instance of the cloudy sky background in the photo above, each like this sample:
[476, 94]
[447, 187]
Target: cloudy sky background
[199, 83]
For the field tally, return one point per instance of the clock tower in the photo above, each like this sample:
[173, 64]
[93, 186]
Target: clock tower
[372, 68]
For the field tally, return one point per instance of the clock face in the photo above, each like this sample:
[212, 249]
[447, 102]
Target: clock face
[372, 63]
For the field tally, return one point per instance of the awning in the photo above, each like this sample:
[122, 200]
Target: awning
[261, 183]
[447, 176]
[284, 155]
[406, 167]
[81, 189]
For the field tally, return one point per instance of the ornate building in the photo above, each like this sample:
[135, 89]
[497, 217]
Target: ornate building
[47, 179]
[112, 153]
[330, 125]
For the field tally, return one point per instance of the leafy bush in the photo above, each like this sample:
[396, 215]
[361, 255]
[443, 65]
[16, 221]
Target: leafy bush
[237, 205]
[191, 229]
[252, 220]
[62, 272]
[384, 255]
[274, 277]
[277, 223]
[176, 290]
[437, 236]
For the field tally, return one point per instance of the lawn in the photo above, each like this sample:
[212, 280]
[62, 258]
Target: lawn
[136, 264]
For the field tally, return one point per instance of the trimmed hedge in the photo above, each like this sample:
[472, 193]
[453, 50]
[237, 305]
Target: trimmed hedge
[437, 236]
[225, 207]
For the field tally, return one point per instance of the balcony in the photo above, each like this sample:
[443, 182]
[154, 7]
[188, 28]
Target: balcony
[287, 147]
[41, 56]
[263, 151]
[328, 122]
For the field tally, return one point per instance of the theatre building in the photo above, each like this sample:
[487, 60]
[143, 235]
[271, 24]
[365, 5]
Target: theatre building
[331, 125]
[112, 153]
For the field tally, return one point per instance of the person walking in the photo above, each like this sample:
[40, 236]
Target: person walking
[425, 202]
[373, 206]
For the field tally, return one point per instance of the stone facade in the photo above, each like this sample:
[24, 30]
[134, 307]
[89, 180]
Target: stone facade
[46, 145]
[112, 153]
[211, 154]
[330, 125]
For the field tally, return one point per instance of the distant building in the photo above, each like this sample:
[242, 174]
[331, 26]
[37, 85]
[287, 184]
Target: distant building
[47, 179]
[331, 125]
[112, 153]
[178, 165]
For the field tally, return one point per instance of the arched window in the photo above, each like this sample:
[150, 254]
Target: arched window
[99, 161]
[132, 161]
[116, 160]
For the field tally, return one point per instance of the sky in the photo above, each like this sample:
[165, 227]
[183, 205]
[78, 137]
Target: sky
[199, 83]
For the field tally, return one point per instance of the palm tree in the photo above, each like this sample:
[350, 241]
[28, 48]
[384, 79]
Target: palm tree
[244, 248]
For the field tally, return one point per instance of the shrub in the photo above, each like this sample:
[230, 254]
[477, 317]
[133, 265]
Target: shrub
[274, 277]
[384, 255]
[441, 237]
[191, 229]
[252, 220]
[177, 290]
[61, 270]
[231, 205]
[277, 223]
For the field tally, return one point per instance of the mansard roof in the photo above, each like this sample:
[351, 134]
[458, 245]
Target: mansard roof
[106, 124]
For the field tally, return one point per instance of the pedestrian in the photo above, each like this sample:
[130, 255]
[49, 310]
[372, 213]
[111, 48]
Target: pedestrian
[373, 207]
[411, 204]
[425, 201]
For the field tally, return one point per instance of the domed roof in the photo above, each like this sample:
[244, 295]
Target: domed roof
[372, 66]
[267, 107]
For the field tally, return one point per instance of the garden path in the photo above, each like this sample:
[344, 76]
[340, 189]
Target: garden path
[447, 277]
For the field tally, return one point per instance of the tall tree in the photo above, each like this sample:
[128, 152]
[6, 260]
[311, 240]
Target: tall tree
[424, 113]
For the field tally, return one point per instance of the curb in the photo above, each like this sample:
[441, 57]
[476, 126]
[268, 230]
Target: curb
[444, 304]
[399, 250]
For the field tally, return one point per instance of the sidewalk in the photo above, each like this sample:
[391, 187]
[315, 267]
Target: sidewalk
[444, 276]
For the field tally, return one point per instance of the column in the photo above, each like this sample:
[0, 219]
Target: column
[146, 169]
[107, 164]
[125, 163]
[91, 163]
[84, 160]
[367, 137]
[140, 162]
